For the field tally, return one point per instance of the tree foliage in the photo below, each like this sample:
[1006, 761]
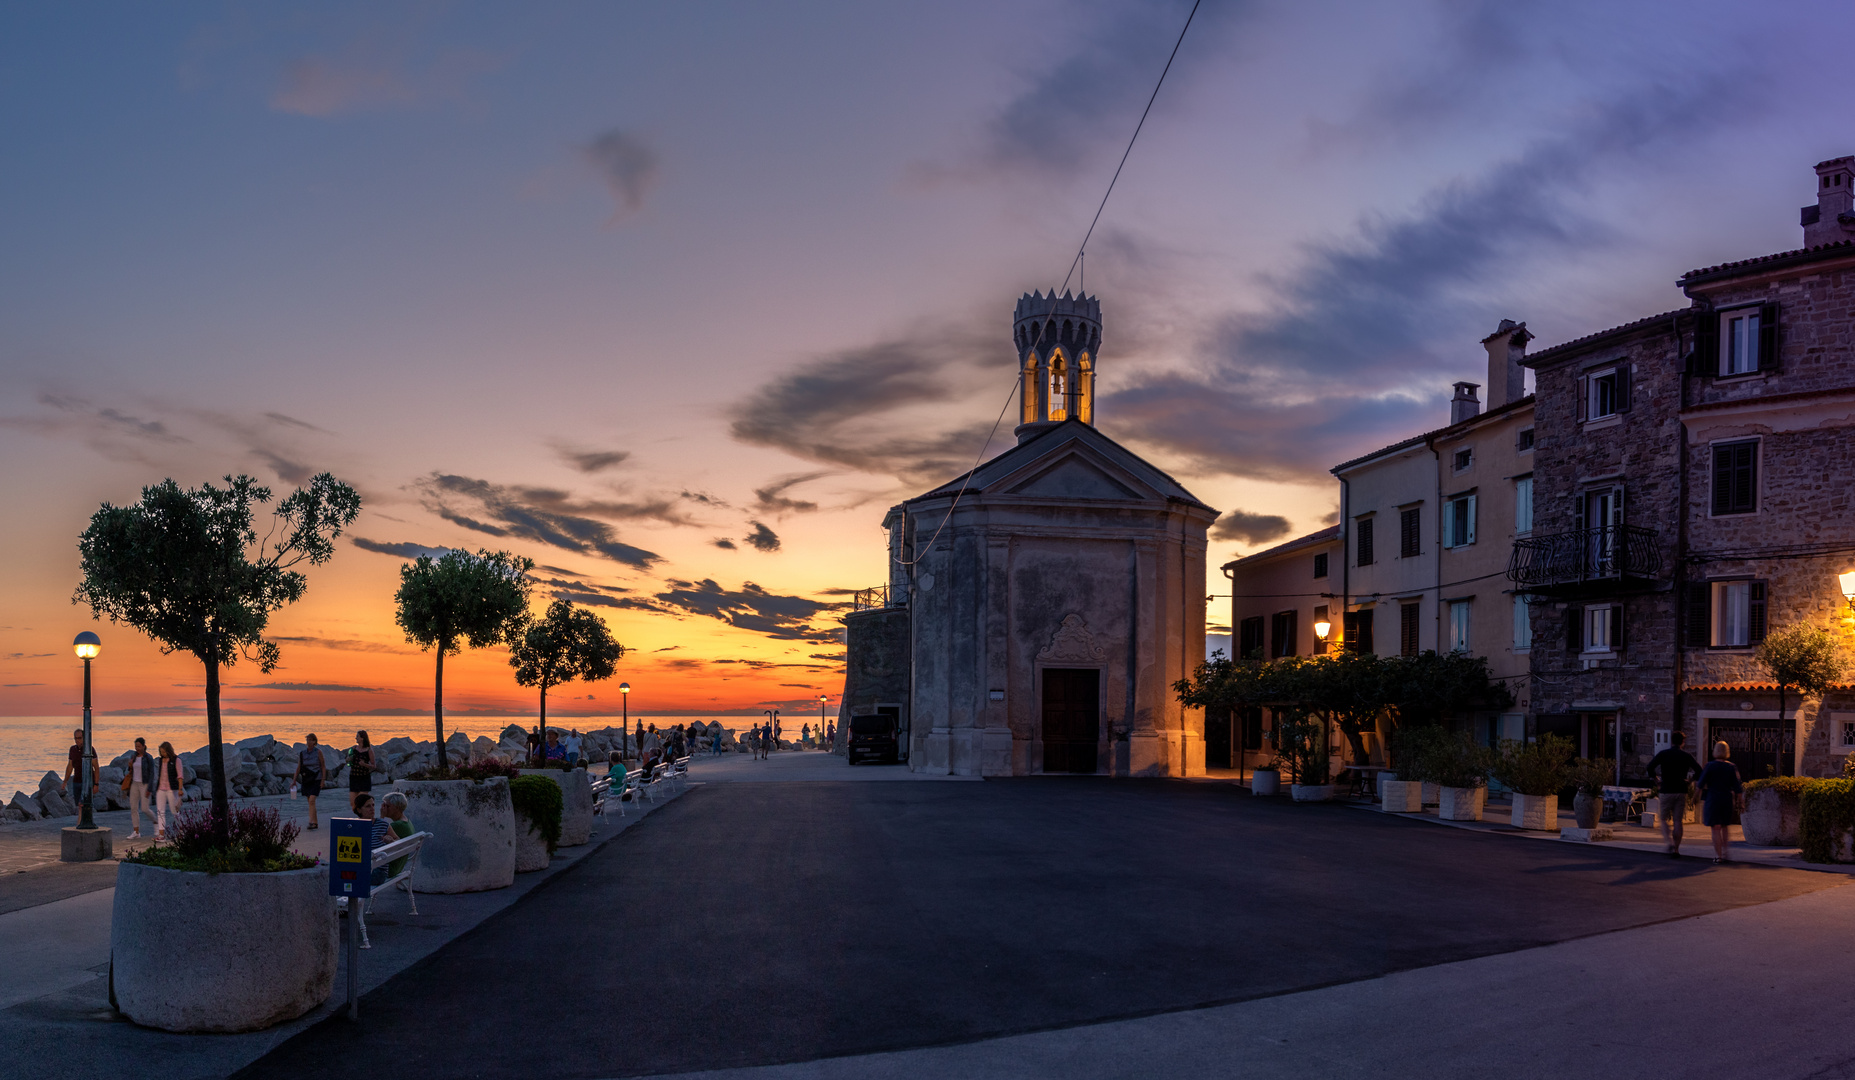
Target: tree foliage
[187, 568]
[1805, 657]
[461, 599]
[565, 644]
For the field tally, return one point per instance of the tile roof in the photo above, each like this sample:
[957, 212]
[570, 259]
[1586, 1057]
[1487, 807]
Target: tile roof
[1329, 533]
[1651, 320]
[1781, 259]
[1522, 402]
[1765, 688]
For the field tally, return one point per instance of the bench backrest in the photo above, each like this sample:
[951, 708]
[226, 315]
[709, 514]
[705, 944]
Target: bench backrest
[405, 845]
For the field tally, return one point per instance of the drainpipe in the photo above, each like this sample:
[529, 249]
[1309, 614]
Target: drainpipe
[1237, 749]
[1678, 696]
[1346, 563]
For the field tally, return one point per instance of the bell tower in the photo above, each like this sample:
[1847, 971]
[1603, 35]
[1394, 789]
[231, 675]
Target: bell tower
[1058, 339]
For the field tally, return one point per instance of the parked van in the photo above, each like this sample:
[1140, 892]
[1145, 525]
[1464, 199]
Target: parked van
[874, 738]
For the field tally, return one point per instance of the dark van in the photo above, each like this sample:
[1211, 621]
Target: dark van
[873, 738]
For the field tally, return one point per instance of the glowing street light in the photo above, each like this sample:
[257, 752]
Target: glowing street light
[624, 697]
[87, 645]
[1848, 587]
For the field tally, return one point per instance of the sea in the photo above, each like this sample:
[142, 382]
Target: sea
[31, 746]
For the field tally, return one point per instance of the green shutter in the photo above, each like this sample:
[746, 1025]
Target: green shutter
[1768, 337]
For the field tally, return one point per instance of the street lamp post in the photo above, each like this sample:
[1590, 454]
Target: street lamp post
[772, 719]
[624, 697]
[87, 645]
[821, 699]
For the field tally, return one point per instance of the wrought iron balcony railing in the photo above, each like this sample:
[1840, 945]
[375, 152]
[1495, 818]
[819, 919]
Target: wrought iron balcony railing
[879, 597]
[1609, 554]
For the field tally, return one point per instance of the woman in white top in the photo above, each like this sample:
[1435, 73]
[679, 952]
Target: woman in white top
[168, 788]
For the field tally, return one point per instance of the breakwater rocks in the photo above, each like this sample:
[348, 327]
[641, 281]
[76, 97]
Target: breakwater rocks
[264, 765]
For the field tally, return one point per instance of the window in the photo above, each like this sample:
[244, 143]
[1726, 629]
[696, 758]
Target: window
[1523, 624]
[1364, 542]
[1846, 736]
[1463, 459]
[1595, 629]
[1359, 631]
[1739, 347]
[1410, 534]
[1735, 478]
[1459, 626]
[1523, 504]
[1249, 638]
[1409, 620]
[1282, 634]
[1459, 521]
[1739, 341]
[1603, 399]
[1320, 565]
[1738, 613]
[1525, 441]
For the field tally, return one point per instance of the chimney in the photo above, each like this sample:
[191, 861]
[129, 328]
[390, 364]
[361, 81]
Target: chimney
[1464, 405]
[1833, 217]
[1507, 346]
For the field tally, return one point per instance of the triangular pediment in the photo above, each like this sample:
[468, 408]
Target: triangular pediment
[1071, 460]
[1072, 477]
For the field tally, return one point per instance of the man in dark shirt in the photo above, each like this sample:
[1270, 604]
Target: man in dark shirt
[1673, 767]
[76, 769]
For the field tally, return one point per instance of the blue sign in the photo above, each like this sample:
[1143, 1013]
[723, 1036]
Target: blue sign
[350, 857]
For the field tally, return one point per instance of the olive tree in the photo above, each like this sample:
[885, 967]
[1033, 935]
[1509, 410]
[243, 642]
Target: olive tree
[565, 644]
[456, 600]
[187, 569]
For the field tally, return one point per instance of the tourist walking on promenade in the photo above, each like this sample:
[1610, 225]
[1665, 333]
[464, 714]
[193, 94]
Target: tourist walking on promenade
[135, 781]
[76, 767]
[360, 770]
[1719, 797]
[309, 766]
[167, 789]
[1674, 767]
[572, 744]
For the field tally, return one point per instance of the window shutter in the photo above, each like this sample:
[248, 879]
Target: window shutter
[1745, 476]
[1469, 508]
[1705, 359]
[1449, 523]
[1616, 628]
[1616, 507]
[1722, 479]
[1574, 629]
[1584, 396]
[1578, 501]
[1698, 626]
[1623, 388]
[1768, 337]
[1755, 595]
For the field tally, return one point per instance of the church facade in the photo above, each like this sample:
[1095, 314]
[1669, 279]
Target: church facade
[1039, 609]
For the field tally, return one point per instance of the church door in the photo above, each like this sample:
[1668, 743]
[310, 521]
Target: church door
[1071, 719]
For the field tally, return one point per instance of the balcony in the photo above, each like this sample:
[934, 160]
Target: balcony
[1586, 561]
[882, 596]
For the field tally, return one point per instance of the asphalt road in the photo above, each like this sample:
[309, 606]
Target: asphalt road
[946, 913]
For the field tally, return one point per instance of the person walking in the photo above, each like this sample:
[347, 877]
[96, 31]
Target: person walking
[309, 768]
[168, 789]
[360, 770]
[1673, 767]
[1720, 789]
[76, 768]
[135, 781]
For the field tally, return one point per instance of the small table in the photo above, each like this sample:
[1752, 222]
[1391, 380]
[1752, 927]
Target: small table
[1367, 777]
[1629, 801]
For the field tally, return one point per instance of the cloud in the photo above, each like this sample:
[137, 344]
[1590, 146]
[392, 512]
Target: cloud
[1249, 528]
[290, 472]
[30, 655]
[543, 515]
[772, 499]
[111, 432]
[592, 461]
[344, 644]
[762, 538]
[291, 421]
[20, 685]
[668, 648]
[627, 167]
[751, 608]
[403, 550]
[303, 686]
[724, 543]
[382, 66]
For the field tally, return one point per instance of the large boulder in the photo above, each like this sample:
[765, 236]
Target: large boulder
[242, 771]
[111, 775]
[257, 747]
[26, 805]
[481, 747]
[121, 761]
[51, 781]
[55, 804]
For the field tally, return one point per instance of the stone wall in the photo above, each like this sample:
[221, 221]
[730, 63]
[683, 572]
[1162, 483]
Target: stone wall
[875, 666]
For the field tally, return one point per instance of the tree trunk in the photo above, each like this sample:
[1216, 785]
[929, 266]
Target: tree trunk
[1777, 753]
[215, 756]
[541, 747]
[444, 761]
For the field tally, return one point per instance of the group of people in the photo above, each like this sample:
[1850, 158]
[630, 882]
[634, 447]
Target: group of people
[154, 785]
[1721, 793]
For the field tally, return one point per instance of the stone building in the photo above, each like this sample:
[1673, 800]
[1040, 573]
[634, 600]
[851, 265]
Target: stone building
[1039, 608]
[1692, 491]
[1283, 603]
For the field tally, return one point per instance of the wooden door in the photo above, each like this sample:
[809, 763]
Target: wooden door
[1071, 719]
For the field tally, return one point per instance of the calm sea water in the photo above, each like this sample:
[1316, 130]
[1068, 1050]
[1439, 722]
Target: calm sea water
[30, 746]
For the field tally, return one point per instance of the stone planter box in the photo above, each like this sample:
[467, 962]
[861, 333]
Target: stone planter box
[1312, 792]
[1771, 818]
[198, 952]
[1266, 782]
[1461, 803]
[1537, 812]
[1400, 796]
[1432, 794]
[472, 847]
[530, 846]
[576, 805]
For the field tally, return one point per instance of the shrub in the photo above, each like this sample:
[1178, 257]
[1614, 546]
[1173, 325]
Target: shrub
[481, 769]
[258, 842]
[1414, 751]
[1827, 810]
[1456, 761]
[538, 799]
[1301, 751]
[1788, 785]
[1540, 768]
[1590, 775]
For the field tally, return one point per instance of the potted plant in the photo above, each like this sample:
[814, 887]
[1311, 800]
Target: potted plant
[1266, 780]
[1460, 769]
[472, 822]
[1411, 750]
[1300, 744]
[1774, 809]
[221, 936]
[537, 805]
[1535, 772]
[576, 794]
[1588, 777]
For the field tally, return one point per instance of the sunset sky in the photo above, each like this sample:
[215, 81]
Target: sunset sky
[676, 299]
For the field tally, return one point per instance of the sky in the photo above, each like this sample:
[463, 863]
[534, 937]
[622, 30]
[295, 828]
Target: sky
[677, 299]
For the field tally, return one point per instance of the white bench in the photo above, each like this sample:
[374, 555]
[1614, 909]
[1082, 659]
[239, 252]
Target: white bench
[680, 770]
[406, 846]
[647, 784]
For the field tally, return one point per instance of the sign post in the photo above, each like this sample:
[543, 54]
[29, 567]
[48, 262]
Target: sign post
[351, 875]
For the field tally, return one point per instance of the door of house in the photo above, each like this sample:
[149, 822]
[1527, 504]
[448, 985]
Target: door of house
[1759, 747]
[1071, 719]
[1217, 737]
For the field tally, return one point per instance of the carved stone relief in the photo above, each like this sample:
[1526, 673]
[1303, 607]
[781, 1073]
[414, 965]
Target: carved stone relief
[1072, 644]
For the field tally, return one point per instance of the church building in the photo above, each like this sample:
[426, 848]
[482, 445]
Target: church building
[1039, 609]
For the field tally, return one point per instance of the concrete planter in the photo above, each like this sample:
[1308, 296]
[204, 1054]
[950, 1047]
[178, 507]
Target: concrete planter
[472, 847]
[1312, 792]
[1461, 803]
[1432, 793]
[1400, 796]
[576, 805]
[1771, 818]
[1537, 812]
[530, 846]
[200, 952]
[1266, 782]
